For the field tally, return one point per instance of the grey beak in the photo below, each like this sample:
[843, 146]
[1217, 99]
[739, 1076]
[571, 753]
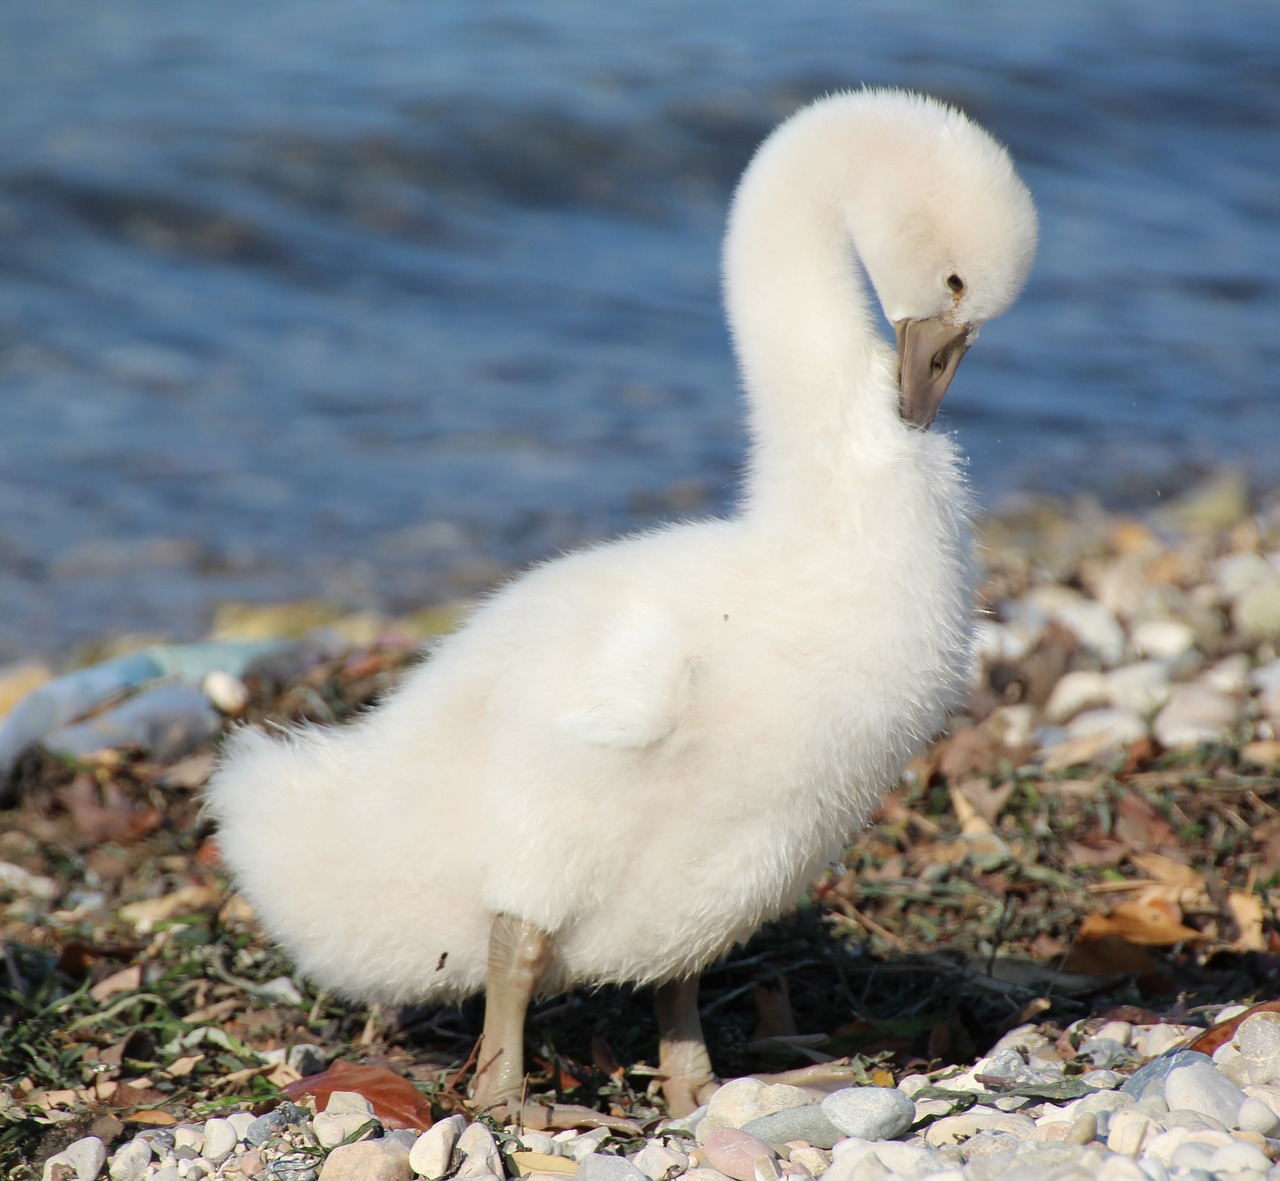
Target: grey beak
[929, 352]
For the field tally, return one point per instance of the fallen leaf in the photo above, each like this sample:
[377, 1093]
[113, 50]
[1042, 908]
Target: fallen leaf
[1265, 753]
[1146, 923]
[1139, 825]
[1225, 1031]
[1171, 873]
[542, 1162]
[1246, 910]
[105, 813]
[1108, 956]
[153, 1117]
[1074, 752]
[184, 900]
[396, 1101]
[126, 980]
[181, 1067]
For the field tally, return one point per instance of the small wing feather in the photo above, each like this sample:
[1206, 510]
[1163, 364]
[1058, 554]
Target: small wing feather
[636, 683]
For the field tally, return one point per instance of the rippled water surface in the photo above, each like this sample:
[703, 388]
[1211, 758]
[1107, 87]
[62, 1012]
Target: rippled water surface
[317, 298]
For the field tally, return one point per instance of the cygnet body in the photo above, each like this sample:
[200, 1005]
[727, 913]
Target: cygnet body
[644, 749]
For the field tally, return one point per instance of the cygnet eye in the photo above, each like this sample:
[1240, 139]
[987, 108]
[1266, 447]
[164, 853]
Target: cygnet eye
[937, 365]
[956, 284]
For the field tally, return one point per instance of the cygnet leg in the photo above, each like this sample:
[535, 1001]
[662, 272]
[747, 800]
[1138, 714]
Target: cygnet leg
[519, 954]
[688, 1080]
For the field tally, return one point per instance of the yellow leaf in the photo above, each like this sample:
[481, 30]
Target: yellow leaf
[543, 1162]
[1148, 923]
[1166, 870]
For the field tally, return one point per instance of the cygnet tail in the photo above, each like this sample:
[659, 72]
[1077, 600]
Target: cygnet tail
[273, 797]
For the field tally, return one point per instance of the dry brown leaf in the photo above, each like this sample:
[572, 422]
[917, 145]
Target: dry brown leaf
[1264, 754]
[1139, 825]
[396, 1101]
[181, 1067]
[152, 1117]
[126, 980]
[1146, 923]
[184, 900]
[1171, 873]
[1246, 910]
[967, 750]
[1074, 752]
[105, 813]
[1108, 956]
[1224, 1031]
[541, 1162]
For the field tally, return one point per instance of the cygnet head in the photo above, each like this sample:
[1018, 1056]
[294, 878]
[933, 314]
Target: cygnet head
[946, 234]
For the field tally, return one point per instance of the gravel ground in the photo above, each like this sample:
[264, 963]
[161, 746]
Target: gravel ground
[1020, 957]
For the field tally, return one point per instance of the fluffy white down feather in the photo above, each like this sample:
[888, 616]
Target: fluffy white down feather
[650, 746]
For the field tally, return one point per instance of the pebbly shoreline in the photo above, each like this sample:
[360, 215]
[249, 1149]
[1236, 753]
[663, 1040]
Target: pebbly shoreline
[1118, 655]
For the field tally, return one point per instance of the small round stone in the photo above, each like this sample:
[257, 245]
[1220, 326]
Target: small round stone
[219, 1139]
[735, 1153]
[807, 1123]
[1201, 1087]
[873, 1113]
[369, 1160]
[599, 1166]
[432, 1152]
[1258, 1041]
[131, 1160]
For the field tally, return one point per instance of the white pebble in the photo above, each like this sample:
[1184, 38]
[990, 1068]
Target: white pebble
[1143, 687]
[480, 1152]
[1256, 1116]
[1240, 1155]
[874, 1113]
[432, 1152]
[1163, 639]
[1129, 1132]
[228, 693]
[351, 1101]
[240, 1121]
[86, 1157]
[1258, 1040]
[219, 1139]
[332, 1128]
[131, 1160]
[1196, 714]
[656, 1161]
[1230, 675]
[956, 1129]
[1120, 725]
[1075, 691]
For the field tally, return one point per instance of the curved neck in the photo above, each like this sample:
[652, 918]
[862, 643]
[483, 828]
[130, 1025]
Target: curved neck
[820, 381]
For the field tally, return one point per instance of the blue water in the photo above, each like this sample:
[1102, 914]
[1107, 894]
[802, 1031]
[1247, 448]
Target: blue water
[364, 300]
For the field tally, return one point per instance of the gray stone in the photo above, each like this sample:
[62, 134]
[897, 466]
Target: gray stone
[131, 1160]
[293, 1166]
[264, 1127]
[874, 1113]
[1154, 1073]
[597, 1166]
[795, 1123]
[369, 1160]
